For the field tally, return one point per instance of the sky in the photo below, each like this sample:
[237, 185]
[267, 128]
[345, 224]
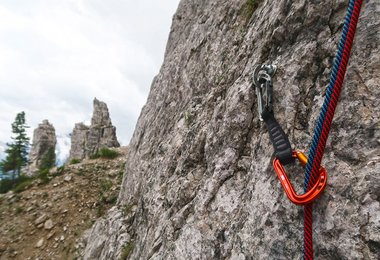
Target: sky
[56, 56]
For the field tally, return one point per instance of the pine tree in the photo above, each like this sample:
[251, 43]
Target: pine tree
[17, 151]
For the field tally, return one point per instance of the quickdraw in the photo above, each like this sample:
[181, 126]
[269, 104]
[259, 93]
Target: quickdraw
[315, 175]
[284, 154]
[262, 79]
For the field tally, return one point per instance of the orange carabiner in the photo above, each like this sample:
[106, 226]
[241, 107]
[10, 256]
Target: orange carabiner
[309, 196]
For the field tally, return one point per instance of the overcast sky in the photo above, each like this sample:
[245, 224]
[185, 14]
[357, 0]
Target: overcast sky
[57, 55]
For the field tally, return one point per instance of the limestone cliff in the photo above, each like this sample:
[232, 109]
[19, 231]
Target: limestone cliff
[78, 141]
[44, 142]
[199, 182]
[86, 140]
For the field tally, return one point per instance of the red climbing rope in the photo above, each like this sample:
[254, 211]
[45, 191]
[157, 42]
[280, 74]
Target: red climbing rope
[327, 114]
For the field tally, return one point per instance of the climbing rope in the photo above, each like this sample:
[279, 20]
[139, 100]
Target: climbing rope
[323, 125]
[315, 175]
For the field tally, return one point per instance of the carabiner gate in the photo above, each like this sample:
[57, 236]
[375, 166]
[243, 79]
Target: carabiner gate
[262, 79]
[309, 196]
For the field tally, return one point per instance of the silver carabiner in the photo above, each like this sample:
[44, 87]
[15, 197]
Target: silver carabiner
[262, 79]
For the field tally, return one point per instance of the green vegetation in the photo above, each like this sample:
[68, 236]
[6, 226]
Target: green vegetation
[74, 161]
[249, 7]
[105, 196]
[220, 79]
[48, 160]
[80, 172]
[18, 185]
[43, 176]
[105, 153]
[16, 158]
[127, 209]
[120, 173]
[19, 210]
[17, 151]
[112, 200]
[6, 185]
[188, 119]
[127, 250]
[105, 185]
[94, 156]
[23, 185]
[100, 210]
[60, 170]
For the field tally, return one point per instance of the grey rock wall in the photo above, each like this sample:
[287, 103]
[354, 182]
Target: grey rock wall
[44, 141]
[87, 140]
[78, 141]
[199, 176]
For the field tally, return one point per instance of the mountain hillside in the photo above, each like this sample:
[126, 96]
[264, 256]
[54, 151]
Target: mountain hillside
[47, 218]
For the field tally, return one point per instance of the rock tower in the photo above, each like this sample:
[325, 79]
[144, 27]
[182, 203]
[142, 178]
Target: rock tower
[86, 140]
[44, 142]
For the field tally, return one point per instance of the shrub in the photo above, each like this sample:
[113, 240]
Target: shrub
[106, 153]
[107, 200]
[18, 185]
[120, 174]
[112, 200]
[60, 170]
[48, 160]
[43, 176]
[19, 210]
[127, 209]
[105, 185]
[250, 7]
[127, 250]
[23, 185]
[95, 156]
[80, 172]
[74, 161]
[6, 185]
[188, 119]
[100, 210]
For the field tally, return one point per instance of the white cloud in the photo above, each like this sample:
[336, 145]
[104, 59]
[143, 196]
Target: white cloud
[56, 56]
[62, 149]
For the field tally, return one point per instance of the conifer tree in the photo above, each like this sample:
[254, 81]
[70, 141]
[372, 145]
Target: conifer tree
[17, 151]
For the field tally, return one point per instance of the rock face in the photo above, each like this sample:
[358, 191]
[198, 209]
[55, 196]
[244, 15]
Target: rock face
[86, 140]
[199, 171]
[101, 133]
[78, 141]
[44, 141]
